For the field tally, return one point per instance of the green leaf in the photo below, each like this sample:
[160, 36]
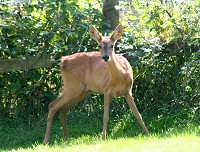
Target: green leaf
[44, 32]
[4, 7]
[133, 17]
[28, 8]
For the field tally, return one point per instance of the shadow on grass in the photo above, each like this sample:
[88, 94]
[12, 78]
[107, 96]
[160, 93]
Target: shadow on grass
[163, 128]
[23, 135]
[14, 136]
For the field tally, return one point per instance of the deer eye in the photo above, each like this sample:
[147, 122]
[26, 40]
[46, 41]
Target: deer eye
[99, 46]
[111, 46]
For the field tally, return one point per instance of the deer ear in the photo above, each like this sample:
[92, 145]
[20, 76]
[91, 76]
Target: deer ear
[94, 33]
[117, 33]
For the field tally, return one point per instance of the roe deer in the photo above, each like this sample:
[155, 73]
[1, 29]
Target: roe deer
[101, 72]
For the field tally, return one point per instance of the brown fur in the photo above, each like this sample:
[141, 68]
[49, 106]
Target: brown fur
[86, 72]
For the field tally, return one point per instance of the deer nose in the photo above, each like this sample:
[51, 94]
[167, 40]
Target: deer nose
[105, 58]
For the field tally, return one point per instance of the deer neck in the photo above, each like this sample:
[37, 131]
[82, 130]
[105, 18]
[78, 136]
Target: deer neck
[115, 68]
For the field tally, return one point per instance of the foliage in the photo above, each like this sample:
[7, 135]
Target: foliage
[57, 28]
[161, 42]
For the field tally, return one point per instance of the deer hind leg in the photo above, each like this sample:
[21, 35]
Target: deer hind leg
[63, 112]
[136, 113]
[66, 108]
[53, 108]
[66, 96]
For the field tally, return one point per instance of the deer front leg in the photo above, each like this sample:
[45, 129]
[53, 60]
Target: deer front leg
[106, 114]
[136, 113]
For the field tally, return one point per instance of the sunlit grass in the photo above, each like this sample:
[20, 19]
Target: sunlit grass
[121, 137]
[182, 142]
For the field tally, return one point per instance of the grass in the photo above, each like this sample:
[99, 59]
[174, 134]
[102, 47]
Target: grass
[123, 135]
[174, 143]
[175, 139]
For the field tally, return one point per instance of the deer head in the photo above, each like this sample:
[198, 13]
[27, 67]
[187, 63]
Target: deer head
[106, 43]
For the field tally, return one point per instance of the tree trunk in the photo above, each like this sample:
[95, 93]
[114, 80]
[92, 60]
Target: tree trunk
[111, 13]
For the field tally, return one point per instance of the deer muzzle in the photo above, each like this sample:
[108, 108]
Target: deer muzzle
[105, 58]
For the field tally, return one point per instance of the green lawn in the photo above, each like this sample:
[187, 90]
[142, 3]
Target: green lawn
[122, 136]
[183, 142]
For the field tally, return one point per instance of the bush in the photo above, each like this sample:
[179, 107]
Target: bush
[161, 42]
[56, 28]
